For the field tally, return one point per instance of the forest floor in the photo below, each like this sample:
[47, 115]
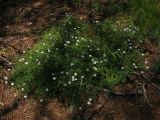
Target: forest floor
[20, 26]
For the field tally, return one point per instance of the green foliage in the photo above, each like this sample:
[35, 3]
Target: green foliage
[74, 60]
[147, 14]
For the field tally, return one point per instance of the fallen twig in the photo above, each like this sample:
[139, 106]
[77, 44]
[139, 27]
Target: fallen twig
[148, 80]
[145, 96]
[3, 60]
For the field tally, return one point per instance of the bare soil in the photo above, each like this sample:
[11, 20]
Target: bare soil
[21, 22]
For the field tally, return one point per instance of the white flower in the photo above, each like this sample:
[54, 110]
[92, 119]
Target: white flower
[39, 63]
[49, 50]
[130, 48]
[5, 78]
[88, 103]
[72, 64]
[147, 67]
[94, 75]
[69, 82]
[20, 60]
[62, 72]
[80, 108]
[82, 56]
[90, 99]
[142, 72]
[25, 96]
[119, 49]
[75, 74]
[124, 52]
[24, 84]
[134, 64]
[6, 82]
[26, 63]
[67, 73]
[54, 78]
[52, 74]
[98, 49]
[142, 54]
[82, 77]
[75, 37]
[44, 44]
[122, 68]
[87, 69]
[95, 68]
[68, 42]
[42, 52]
[46, 89]
[77, 44]
[94, 62]
[77, 41]
[37, 51]
[49, 34]
[41, 100]
[24, 51]
[12, 84]
[90, 55]
[22, 89]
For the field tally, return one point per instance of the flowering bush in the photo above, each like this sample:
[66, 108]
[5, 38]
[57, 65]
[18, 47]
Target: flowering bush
[75, 60]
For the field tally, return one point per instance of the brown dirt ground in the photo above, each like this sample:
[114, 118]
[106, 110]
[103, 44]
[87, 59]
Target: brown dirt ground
[20, 26]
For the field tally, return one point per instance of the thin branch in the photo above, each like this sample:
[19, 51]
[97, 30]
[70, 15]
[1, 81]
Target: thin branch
[148, 80]
[145, 96]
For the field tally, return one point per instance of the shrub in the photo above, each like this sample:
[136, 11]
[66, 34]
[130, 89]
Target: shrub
[74, 60]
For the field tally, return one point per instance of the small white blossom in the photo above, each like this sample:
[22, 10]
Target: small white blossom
[95, 68]
[46, 89]
[12, 84]
[88, 103]
[49, 50]
[54, 78]
[41, 100]
[6, 82]
[26, 63]
[72, 64]
[90, 99]
[5, 78]
[82, 77]
[122, 68]
[142, 54]
[94, 75]
[22, 89]
[75, 74]
[69, 82]
[25, 96]
[39, 63]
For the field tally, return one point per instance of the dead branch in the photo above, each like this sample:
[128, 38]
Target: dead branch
[145, 96]
[3, 60]
[148, 80]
